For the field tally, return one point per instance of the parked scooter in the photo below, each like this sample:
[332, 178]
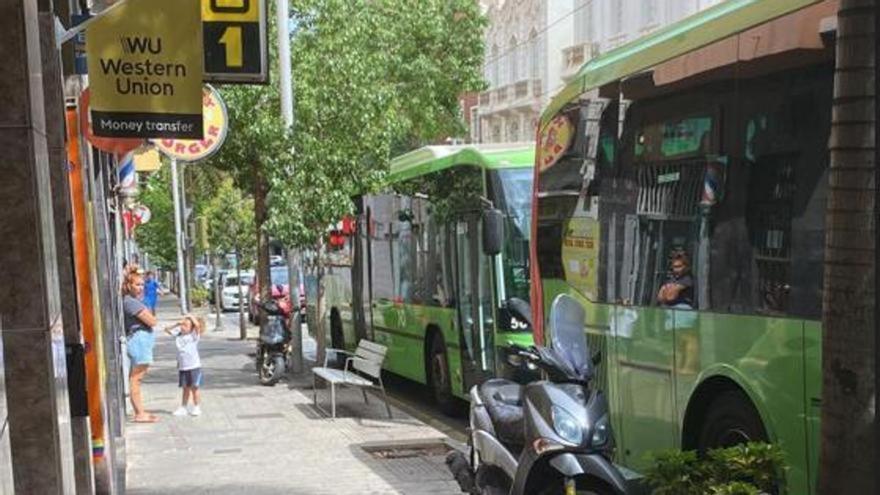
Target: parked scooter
[274, 347]
[549, 436]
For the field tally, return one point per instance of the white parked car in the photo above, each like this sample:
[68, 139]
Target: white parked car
[229, 295]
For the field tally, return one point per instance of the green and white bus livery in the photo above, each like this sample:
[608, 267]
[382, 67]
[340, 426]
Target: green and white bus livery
[680, 196]
[414, 276]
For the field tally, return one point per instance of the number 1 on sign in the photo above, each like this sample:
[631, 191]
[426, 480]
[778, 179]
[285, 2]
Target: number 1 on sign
[231, 39]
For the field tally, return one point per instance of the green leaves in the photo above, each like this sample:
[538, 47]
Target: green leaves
[748, 469]
[372, 79]
[230, 215]
[157, 236]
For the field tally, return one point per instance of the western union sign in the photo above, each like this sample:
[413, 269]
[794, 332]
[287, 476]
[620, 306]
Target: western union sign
[145, 70]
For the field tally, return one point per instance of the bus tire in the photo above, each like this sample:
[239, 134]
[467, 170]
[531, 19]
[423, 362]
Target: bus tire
[441, 384]
[730, 420]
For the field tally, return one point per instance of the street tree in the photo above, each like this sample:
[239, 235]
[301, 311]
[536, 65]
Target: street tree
[257, 141]
[372, 79]
[230, 216]
[848, 452]
[156, 237]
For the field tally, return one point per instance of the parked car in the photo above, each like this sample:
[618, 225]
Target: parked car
[230, 283]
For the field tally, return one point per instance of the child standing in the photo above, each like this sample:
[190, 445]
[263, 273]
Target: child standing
[187, 334]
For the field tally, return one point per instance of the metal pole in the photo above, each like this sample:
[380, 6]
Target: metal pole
[286, 81]
[178, 234]
[283, 12]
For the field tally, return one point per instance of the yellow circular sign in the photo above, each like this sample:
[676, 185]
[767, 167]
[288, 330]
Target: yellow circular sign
[216, 126]
[555, 140]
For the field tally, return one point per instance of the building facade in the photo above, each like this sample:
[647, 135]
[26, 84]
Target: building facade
[534, 46]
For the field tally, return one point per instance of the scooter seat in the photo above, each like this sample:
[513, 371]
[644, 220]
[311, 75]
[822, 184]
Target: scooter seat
[503, 400]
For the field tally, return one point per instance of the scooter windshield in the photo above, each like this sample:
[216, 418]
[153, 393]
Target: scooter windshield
[568, 337]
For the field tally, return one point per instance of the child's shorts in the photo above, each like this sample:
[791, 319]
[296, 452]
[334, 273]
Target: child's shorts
[190, 378]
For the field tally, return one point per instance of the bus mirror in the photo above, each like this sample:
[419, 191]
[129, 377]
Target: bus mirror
[493, 231]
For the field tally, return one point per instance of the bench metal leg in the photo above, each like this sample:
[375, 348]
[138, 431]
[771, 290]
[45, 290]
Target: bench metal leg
[364, 391]
[333, 400]
[315, 389]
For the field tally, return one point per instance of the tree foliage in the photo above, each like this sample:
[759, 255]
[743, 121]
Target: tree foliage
[156, 237]
[372, 79]
[230, 215]
[749, 469]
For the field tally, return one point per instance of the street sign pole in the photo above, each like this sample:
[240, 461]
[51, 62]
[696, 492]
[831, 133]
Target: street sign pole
[178, 235]
[286, 83]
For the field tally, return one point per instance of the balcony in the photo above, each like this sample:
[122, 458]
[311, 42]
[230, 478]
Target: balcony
[511, 96]
[576, 56]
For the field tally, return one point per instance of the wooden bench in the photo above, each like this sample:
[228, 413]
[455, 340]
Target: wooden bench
[363, 369]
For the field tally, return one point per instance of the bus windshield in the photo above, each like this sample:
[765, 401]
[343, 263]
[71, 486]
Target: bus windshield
[513, 195]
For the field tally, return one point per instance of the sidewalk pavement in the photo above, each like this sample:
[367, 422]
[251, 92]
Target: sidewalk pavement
[259, 440]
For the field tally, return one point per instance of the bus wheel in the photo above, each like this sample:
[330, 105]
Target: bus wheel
[438, 366]
[731, 420]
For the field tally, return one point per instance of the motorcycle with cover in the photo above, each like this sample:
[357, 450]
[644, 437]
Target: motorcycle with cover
[551, 436]
[274, 347]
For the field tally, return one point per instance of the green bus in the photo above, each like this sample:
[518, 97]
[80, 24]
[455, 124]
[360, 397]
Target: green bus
[412, 274]
[680, 195]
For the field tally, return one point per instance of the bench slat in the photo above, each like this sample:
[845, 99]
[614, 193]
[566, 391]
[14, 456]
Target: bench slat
[370, 355]
[338, 376]
[372, 347]
[371, 368]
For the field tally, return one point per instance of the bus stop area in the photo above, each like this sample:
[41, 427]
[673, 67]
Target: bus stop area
[271, 440]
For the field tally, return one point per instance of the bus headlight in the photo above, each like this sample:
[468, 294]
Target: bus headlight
[601, 432]
[566, 426]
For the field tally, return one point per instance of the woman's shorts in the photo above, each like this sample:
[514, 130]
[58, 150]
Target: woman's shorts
[140, 347]
[190, 378]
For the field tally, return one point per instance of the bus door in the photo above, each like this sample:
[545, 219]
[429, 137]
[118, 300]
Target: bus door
[474, 302]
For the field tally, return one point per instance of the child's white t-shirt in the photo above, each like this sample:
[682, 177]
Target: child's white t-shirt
[187, 350]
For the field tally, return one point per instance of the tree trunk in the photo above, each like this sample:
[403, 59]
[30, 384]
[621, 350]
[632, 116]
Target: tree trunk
[215, 268]
[847, 457]
[242, 325]
[358, 263]
[296, 358]
[320, 327]
[261, 189]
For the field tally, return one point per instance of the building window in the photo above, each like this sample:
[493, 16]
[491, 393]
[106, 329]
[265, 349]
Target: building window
[511, 61]
[649, 13]
[475, 124]
[582, 19]
[513, 130]
[495, 63]
[533, 55]
[616, 17]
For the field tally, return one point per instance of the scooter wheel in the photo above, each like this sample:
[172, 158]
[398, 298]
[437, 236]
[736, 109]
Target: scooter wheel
[271, 372]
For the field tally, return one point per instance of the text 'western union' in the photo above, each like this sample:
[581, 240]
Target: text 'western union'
[135, 77]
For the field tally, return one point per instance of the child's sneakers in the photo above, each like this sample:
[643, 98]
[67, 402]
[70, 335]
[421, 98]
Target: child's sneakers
[180, 411]
[195, 411]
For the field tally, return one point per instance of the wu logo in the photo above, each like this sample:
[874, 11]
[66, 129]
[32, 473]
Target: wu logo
[138, 44]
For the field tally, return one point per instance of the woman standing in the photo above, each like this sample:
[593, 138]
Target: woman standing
[139, 323]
